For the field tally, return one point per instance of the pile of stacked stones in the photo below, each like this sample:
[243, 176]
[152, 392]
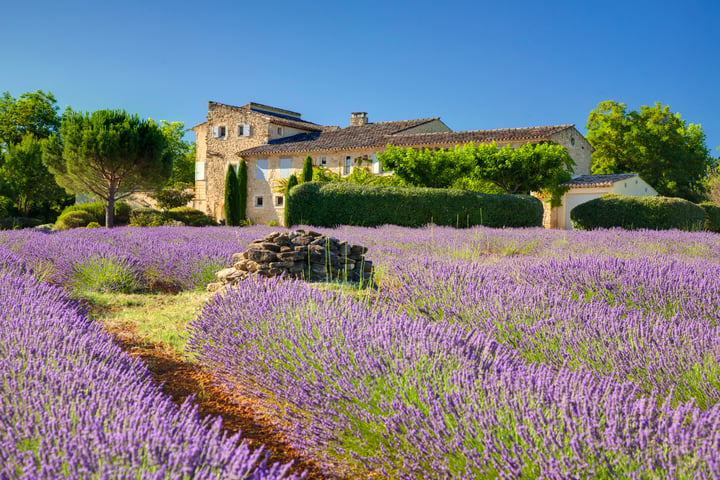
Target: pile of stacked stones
[299, 254]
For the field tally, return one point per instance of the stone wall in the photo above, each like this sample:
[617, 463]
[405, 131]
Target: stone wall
[578, 148]
[299, 254]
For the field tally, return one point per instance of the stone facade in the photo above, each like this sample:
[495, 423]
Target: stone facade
[279, 140]
[216, 152]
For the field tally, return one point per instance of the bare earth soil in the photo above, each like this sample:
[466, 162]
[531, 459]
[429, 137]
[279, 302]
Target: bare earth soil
[181, 379]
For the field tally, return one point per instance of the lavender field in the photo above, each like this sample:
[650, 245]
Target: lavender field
[483, 354]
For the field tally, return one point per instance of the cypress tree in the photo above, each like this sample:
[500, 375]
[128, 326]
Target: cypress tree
[292, 182]
[242, 187]
[232, 198]
[307, 171]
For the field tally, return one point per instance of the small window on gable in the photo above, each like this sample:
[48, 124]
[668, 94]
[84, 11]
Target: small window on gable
[243, 130]
[279, 200]
[279, 130]
[259, 201]
[219, 131]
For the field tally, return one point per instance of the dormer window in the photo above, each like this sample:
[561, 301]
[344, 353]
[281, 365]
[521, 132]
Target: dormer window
[219, 131]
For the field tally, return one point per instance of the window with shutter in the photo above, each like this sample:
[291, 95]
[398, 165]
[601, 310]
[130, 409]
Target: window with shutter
[285, 165]
[261, 169]
[199, 170]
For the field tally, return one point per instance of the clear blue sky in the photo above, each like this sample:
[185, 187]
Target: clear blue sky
[475, 64]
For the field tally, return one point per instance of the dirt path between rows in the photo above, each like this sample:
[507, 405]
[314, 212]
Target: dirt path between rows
[181, 379]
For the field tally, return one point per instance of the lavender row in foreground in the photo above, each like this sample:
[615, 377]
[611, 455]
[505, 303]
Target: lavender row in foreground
[73, 405]
[378, 391]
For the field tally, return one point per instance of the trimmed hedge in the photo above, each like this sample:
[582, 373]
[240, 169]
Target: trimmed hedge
[331, 204]
[653, 213]
[712, 216]
[97, 210]
[15, 223]
[191, 217]
[74, 219]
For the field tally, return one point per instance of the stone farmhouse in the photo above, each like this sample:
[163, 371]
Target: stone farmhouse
[274, 142]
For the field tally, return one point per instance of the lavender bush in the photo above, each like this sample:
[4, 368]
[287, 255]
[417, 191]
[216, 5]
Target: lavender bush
[72, 405]
[484, 353]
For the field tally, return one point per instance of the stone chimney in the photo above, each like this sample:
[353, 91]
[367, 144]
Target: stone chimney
[358, 119]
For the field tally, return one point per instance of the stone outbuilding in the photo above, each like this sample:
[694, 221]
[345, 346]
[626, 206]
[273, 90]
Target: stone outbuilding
[274, 142]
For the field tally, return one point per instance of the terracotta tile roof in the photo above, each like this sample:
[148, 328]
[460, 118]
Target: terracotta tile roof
[372, 135]
[592, 181]
[478, 136]
[274, 117]
[378, 135]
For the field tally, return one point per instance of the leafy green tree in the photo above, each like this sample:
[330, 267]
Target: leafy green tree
[307, 171]
[529, 168]
[712, 183]
[233, 217]
[292, 182]
[181, 151]
[34, 113]
[242, 187]
[426, 168]
[109, 153]
[29, 180]
[173, 196]
[657, 144]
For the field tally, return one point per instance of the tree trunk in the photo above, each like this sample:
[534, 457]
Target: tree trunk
[110, 206]
[110, 212]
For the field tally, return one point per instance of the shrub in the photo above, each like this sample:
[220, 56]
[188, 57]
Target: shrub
[103, 275]
[653, 213]
[712, 216]
[331, 204]
[74, 219]
[122, 214]
[93, 225]
[97, 210]
[291, 183]
[191, 217]
[232, 198]
[17, 223]
[172, 196]
[149, 217]
[242, 188]
[307, 171]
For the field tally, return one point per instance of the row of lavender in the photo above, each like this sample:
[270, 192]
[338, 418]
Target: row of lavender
[485, 354]
[73, 405]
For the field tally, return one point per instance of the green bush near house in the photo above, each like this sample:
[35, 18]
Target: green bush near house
[332, 204]
[712, 216]
[17, 223]
[97, 210]
[653, 213]
[74, 219]
[191, 217]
